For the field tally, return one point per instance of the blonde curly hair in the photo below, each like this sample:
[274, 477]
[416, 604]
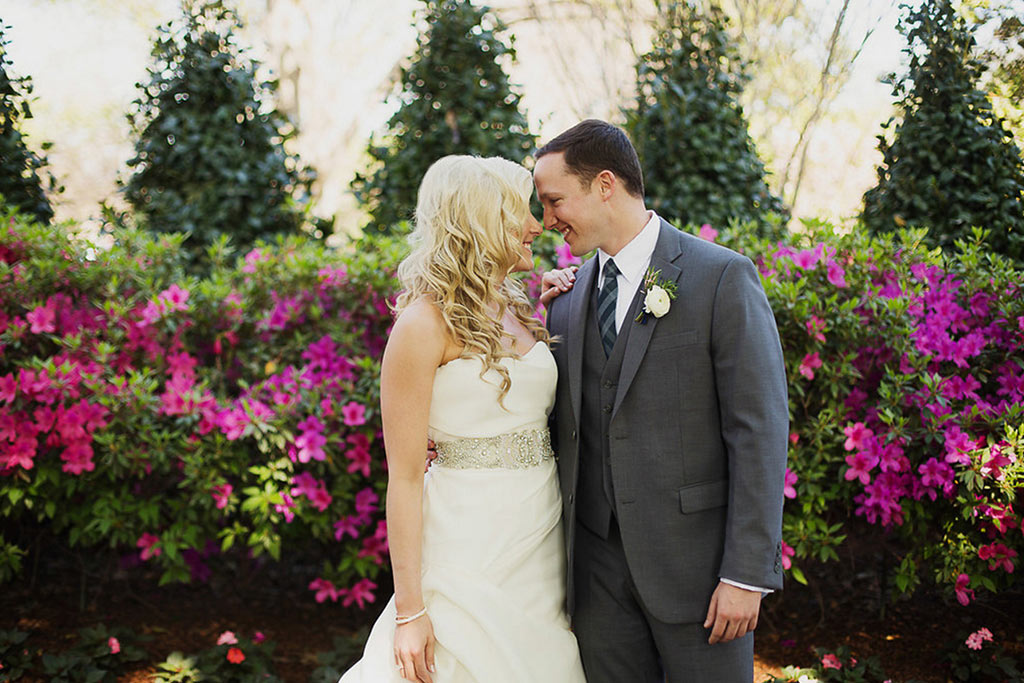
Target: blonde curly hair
[467, 238]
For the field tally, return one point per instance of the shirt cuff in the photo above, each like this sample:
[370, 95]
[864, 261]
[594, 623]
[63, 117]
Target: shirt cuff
[747, 587]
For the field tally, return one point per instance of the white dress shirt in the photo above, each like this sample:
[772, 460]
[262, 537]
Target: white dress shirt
[633, 260]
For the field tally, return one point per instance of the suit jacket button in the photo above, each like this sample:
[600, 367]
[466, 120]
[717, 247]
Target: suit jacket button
[574, 434]
[571, 496]
[607, 409]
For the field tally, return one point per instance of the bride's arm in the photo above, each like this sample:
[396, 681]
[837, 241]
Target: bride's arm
[414, 351]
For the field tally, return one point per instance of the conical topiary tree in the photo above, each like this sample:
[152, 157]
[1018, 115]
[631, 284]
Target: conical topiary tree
[210, 155]
[699, 162]
[24, 178]
[456, 99]
[951, 164]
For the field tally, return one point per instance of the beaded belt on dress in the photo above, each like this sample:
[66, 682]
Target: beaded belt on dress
[513, 451]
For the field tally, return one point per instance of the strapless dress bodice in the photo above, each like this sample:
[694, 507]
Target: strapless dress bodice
[466, 405]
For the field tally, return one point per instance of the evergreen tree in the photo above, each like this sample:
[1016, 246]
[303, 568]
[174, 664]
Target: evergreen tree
[699, 162]
[456, 99]
[24, 178]
[210, 154]
[951, 164]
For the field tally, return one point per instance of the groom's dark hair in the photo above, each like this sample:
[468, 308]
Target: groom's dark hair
[593, 146]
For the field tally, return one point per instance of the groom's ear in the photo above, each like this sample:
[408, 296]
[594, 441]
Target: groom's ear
[605, 182]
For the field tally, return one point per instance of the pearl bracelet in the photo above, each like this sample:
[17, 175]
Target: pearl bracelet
[399, 620]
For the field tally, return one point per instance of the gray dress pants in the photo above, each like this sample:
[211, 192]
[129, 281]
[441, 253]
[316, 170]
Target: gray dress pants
[620, 642]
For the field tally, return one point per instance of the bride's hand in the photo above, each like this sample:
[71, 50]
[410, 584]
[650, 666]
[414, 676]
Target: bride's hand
[414, 650]
[554, 282]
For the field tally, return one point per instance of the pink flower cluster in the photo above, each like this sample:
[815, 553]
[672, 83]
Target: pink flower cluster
[360, 593]
[976, 640]
[47, 406]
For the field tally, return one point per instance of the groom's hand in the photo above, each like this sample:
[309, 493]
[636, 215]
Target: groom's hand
[732, 613]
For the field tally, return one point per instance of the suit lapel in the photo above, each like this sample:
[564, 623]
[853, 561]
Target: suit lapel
[579, 298]
[667, 253]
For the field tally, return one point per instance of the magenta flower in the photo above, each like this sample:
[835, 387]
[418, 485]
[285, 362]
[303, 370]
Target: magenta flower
[707, 233]
[354, 414]
[836, 275]
[830, 661]
[937, 474]
[312, 488]
[311, 442]
[809, 364]
[958, 445]
[789, 491]
[181, 364]
[994, 464]
[787, 555]
[42, 319]
[807, 259]
[366, 501]
[816, 328]
[258, 637]
[21, 454]
[324, 590]
[359, 460]
[964, 595]
[8, 388]
[360, 593]
[998, 555]
[148, 543]
[346, 525]
[978, 638]
[565, 258]
[221, 493]
[175, 298]
[861, 463]
[114, 645]
[857, 436]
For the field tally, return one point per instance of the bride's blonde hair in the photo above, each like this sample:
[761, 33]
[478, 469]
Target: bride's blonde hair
[470, 213]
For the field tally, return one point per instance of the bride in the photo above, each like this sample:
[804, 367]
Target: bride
[476, 542]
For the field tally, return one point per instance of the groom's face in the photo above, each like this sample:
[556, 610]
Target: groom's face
[570, 207]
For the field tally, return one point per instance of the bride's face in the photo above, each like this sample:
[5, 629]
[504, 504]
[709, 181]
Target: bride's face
[531, 229]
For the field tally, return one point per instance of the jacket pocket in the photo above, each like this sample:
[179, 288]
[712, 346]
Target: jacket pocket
[704, 496]
[674, 341]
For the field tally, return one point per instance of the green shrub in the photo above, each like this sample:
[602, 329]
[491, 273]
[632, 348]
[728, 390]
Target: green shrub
[456, 99]
[698, 159]
[210, 156]
[950, 163]
[24, 178]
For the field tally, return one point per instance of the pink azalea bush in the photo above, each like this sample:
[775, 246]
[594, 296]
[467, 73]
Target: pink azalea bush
[189, 423]
[906, 386]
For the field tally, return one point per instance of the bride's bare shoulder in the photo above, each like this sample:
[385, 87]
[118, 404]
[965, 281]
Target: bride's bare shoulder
[421, 326]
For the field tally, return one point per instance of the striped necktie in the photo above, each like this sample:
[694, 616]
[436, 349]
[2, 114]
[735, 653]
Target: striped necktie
[606, 299]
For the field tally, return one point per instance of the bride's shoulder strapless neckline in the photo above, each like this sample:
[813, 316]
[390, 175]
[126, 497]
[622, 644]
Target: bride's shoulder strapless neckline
[521, 357]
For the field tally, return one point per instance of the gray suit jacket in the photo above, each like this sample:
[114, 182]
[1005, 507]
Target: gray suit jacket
[698, 433]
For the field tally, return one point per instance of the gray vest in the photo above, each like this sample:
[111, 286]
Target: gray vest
[595, 497]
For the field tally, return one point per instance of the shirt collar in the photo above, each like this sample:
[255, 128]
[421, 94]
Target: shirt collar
[634, 258]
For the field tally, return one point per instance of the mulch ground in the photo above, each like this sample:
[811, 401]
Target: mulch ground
[907, 636]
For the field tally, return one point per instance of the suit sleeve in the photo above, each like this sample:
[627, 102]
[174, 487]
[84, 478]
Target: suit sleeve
[750, 377]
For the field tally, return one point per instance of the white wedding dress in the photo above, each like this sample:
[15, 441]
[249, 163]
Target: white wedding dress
[493, 555]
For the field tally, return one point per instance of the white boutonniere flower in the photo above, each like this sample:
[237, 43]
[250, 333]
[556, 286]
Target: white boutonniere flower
[658, 295]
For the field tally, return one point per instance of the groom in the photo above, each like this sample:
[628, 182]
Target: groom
[670, 428]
